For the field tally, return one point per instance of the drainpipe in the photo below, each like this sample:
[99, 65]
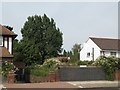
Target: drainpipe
[93, 54]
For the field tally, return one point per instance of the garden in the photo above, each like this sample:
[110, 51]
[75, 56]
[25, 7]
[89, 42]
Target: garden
[41, 73]
[109, 64]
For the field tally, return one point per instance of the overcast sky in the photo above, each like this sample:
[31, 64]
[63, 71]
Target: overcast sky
[78, 21]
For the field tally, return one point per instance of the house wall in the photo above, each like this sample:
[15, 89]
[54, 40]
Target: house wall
[108, 53]
[87, 48]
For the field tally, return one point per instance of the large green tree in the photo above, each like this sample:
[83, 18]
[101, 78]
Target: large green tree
[17, 51]
[41, 39]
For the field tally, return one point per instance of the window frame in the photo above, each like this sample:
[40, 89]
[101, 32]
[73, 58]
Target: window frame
[1, 41]
[88, 54]
[113, 54]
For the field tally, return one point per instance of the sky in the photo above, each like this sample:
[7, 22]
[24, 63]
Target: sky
[77, 20]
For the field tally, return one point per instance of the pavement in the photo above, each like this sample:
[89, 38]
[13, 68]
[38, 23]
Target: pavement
[1, 86]
[41, 85]
[94, 84]
[71, 85]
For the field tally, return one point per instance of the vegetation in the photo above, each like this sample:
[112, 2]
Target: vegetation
[74, 54]
[109, 64]
[6, 68]
[41, 40]
[76, 49]
[0, 70]
[9, 27]
[50, 65]
[78, 63]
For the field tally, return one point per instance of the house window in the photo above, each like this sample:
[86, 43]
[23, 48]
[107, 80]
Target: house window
[113, 54]
[88, 54]
[102, 53]
[1, 41]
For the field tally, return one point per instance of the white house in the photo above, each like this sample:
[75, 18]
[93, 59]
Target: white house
[95, 47]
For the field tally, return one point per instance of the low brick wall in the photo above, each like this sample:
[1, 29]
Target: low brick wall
[11, 77]
[117, 75]
[51, 77]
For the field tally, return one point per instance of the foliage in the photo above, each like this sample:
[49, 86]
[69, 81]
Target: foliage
[7, 67]
[72, 62]
[76, 49]
[109, 64]
[88, 63]
[9, 27]
[50, 65]
[41, 39]
[0, 70]
[17, 51]
[37, 70]
[78, 63]
[65, 53]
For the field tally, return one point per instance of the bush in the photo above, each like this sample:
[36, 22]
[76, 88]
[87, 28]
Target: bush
[85, 63]
[39, 71]
[7, 67]
[78, 62]
[50, 65]
[0, 70]
[109, 64]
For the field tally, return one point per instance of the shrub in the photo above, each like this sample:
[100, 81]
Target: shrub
[0, 70]
[39, 71]
[7, 67]
[78, 62]
[50, 65]
[109, 64]
[73, 62]
[85, 63]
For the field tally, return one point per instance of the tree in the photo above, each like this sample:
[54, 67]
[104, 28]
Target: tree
[76, 49]
[9, 27]
[17, 51]
[64, 53]
[41, 39]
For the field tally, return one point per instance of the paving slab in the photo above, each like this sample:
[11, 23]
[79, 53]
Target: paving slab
[93, 84]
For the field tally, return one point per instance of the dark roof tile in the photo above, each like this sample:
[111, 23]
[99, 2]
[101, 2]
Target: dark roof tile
[107, 43]
[5, 31]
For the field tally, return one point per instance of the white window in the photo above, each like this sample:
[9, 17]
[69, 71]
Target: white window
[1, 41]
[113, 54]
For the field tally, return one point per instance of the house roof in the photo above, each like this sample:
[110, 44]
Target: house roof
[5, 31]
[5, 53]
[107, 43]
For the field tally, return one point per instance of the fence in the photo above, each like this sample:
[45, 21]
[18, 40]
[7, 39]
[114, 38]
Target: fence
[81, 73]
